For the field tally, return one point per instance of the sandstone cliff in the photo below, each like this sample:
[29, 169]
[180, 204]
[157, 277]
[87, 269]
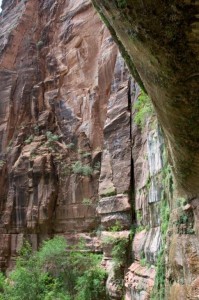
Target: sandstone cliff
[73, 159]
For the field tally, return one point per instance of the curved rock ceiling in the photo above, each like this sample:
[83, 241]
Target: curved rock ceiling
[160, 41]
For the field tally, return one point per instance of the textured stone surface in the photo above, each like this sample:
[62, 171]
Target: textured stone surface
[159, 41]
[54, 92]
[183, 258]
[113, 204]
[162, 53]
[139, 282]
[72, 160]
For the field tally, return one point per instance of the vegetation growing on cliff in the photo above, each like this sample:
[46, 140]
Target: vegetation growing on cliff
[159, 287]
[143, 109]
[55, 272]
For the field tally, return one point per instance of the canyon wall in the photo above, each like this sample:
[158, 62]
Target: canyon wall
[159, 41]
[57, 66]
[74, 159]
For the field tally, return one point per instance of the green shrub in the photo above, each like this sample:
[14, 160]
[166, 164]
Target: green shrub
[91, 285]
[87, 202]
[116, 227]
[119, 251]
[56, 271]
[143, 108]
[79, 168]
[52, 137]
[29, 139]
[121, 4]
[111, 191]
[86, 154]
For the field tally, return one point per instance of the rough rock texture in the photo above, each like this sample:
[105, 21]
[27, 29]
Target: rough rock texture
[70, 151]
[147, 152]
[159, 41]
[54, 92]
[72, 159]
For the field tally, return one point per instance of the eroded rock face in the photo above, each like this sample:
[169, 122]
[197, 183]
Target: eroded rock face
[68, 140]
[160, 43]
[72, 160]
[57, 67]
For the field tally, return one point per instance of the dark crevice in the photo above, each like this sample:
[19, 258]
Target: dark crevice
[132, 179]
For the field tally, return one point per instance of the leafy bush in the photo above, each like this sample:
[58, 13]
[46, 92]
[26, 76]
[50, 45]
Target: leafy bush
[111, 191]
[54, 273]
[116, 227]
[86, 154]
[143, 108]
[121, 4]
[91, 285]
[29, 139]
[87, 202]
[52, 137]
[119, 251]
[79, 168]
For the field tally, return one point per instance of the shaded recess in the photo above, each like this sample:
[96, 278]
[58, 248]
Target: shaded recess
[159, 40]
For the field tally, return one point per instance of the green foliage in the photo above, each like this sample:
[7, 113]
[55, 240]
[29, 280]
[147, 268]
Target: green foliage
[119, 248]
[181, 202]
[52, 251]
[143, 262]
[116, 227]
[52, 137]
[109, 192]
[87, 202]
[143, 108]
[29, 139]
[121, 4]
[138, 215]
[119, 251]
[165, 215]
[159, 287]
[2, 283]
[79, 168]
[91, 286]
[167, 180]
[55, 272]
[183, 219]
[141, 228]
[86, 154]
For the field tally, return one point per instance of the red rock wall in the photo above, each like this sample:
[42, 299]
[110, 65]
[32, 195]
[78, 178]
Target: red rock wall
[57, 66]
[72, 160]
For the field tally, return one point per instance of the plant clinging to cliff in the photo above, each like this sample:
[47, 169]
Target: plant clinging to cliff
[79, 168]
[121, 3]
[143, 109]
